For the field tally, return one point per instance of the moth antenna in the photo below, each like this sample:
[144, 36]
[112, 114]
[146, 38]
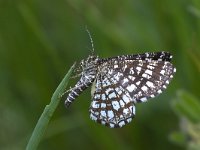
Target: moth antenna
[91, 41]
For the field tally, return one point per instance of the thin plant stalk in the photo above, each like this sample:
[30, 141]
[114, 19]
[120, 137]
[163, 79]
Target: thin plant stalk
[45, 117]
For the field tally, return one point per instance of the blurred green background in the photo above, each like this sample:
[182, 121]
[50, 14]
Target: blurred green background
[40, 40]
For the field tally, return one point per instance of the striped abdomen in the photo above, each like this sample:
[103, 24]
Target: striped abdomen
[87, 78]
[82, 84]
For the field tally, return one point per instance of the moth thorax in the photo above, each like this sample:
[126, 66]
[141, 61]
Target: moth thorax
[90, 65]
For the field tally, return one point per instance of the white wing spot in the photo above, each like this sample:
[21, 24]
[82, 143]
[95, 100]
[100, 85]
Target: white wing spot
[150, 67]
[174, 69]
[115, 66]
[138, 83]
[110, 114]
[103, 113]
[106, 83]
[97, 96]
[125, 80]
[144, 88]
[93, 117]
[131, 71]
[144, 75]
[131, 88]
[95, 105]
[162, 72]
[103, 122]
[150, 84]
[103, 97]
[112, 125]
[143, 99]
[133, 109]
[138, 69]
[121, 123]
[129, 120]
[118, 90]
[147, 54]
[131, 78]
[103, 105]
[121, 103]
[108, 90]
[115, 105]
[152, 96]
[125, 66]
[126, 99]
[112, 95]
[126, 111]
[116, 77]
[148, 72]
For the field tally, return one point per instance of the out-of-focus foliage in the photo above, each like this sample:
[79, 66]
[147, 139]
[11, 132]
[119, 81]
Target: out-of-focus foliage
[188, 109]
[40, 40]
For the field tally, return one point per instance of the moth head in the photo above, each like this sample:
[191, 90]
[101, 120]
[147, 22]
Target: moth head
[89, 62]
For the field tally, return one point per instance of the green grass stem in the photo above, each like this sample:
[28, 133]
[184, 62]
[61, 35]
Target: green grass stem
[45, 117]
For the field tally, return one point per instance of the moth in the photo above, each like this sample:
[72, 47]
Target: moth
[118, 83]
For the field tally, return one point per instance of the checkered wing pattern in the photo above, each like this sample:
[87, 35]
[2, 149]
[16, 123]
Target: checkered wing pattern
[124, 81]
